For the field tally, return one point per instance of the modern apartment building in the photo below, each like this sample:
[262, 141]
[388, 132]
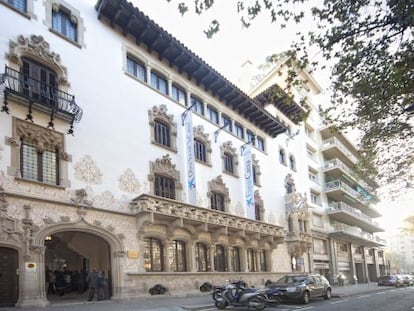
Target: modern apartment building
[401, 248]
[122, 150]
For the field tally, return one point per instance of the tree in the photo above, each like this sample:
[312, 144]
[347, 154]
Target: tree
[370, 43]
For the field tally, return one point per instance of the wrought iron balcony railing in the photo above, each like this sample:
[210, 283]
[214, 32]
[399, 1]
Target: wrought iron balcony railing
[43, 95]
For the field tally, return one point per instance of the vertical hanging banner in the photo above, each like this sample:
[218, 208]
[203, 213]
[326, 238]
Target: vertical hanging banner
[248, 181]
[189, 146]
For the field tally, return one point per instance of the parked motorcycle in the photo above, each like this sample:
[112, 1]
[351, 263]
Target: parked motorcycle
[236, 295]
[218, 289]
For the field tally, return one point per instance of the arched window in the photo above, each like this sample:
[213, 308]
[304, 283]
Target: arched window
[257, 213]
[202, 257]
[177, 256]
[153, 255]
[282, 156]
[164, 179]
[235, 259]
[220, 258]
[218, 194]
[163, 128]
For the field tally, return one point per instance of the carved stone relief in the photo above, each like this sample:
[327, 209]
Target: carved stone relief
[217, 185]
[128, 182]
[203, 137]
[37, 47]
[160, 113]
[88, 171]
[227, 147]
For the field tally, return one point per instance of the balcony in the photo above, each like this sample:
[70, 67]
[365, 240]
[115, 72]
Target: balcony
[40, 96]
[336, 168]
[333, 148]
[153, 210]
[337, 190]
[355, 235]
[346, 214]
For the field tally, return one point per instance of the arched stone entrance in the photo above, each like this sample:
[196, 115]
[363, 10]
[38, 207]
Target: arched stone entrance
[69, 256]
[8, 276]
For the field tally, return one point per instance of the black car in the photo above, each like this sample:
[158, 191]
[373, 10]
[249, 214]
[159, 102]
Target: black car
[303, 287]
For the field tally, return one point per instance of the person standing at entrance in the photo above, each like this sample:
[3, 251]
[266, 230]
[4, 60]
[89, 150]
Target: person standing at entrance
[92, 279]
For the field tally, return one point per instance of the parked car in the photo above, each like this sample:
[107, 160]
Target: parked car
[303, 287]
[407, 279]
[390, 280]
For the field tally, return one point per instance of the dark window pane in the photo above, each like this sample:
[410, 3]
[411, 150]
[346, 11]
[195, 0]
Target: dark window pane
[162, 133]
[136, 69]
[179, 94]
[239, 130]
[228, 163]
[217, 202]
[260, 143]
[159, 83]
[213, 114]
[197, 104]
[200, 151]
[19, 5]
[177, 254]
[227, 120]
[164, 187]
[235, 254]
[62, 23]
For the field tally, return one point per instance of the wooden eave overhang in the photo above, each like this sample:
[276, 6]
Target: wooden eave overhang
[129, 20]
[154, 210]
[276, 96]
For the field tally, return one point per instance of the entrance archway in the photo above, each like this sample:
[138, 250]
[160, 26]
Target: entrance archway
[69, 256]
[8, 276]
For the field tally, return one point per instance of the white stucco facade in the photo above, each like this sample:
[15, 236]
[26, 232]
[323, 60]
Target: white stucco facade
[104, 202]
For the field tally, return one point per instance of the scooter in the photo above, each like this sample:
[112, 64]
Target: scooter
[237, 296]
[218, 289]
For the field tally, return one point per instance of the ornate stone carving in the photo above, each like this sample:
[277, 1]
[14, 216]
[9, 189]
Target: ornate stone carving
[165, 167]
[128, 182]
[199, 134]
[87, 171]
[80, 198]
[41, 136]
[37, 48]
[160, 113]
[158, 206]
[106, 200]
[227, 147]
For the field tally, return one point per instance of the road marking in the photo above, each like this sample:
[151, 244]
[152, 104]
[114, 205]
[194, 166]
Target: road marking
[364, 296]
[380, 293]
[306, 308]
[339, 301]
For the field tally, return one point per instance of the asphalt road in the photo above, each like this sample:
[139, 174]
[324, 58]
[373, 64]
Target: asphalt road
[401, 299]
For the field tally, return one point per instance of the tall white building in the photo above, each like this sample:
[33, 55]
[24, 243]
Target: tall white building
[121, 149]
[401, 246]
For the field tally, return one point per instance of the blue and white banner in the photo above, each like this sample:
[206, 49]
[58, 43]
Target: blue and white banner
[248, 182]
[189, 146]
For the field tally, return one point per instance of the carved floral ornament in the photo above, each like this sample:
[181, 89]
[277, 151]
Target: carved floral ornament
[88, 171]
[160, 113]
[40, 136]
[38, 48]
[164, 166]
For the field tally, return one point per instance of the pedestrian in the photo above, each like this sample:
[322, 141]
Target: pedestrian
[102, 286]
[96, 284]
[92, 279]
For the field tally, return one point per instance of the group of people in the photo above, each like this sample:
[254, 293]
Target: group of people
[61, 282]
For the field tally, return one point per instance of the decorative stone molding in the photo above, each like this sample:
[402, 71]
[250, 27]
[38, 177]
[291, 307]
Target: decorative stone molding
[203, 137]
[217, 185]
[38, 48]
[192, 216]
[87, 170]
[128, 182]
[227, 147]
[39, 135]
[160, 113]
[165, 167]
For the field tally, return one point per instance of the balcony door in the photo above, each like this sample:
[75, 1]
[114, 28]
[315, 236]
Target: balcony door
[38, 82]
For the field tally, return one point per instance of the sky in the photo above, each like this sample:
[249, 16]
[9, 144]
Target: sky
[233, 45]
